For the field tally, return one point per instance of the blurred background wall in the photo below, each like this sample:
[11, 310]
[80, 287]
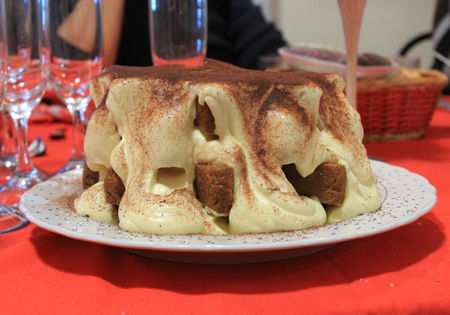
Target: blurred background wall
[387, 24]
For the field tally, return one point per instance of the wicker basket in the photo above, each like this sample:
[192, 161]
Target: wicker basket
[401, 106]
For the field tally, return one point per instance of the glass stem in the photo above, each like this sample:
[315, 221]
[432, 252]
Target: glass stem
[78, 129]
[4, 133]
[24, 163]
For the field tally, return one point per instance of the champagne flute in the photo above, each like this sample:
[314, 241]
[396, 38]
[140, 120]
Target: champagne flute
[9, 221]
[27, 68]
[76, 58]
[178, 31]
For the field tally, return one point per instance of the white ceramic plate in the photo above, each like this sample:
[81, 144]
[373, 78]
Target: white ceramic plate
[302, 62]
[406, 197]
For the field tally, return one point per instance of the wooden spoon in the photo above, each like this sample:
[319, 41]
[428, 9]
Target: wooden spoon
[351, 14]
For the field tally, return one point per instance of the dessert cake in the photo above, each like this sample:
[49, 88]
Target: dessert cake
[219, 149]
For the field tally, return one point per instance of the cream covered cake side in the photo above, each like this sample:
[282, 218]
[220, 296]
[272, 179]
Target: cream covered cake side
[219, 150]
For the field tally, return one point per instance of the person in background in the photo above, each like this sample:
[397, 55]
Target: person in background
[237, 33]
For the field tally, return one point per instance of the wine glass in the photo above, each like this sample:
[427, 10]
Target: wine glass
[76, 58]
[27, 69]
[178, 31]
[21, 85]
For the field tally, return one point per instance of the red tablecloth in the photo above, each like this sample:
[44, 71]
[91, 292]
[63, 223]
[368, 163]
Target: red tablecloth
[405, 271]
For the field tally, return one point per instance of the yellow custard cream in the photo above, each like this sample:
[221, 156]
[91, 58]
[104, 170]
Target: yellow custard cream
[144, 123]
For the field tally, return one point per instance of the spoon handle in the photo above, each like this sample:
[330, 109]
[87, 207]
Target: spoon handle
[351, 14]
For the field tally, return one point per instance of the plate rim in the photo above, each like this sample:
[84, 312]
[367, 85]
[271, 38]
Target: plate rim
[245, 247]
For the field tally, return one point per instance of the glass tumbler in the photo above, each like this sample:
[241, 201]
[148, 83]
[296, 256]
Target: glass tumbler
[178, 31]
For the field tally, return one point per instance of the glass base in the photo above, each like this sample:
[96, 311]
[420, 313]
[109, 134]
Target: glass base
[72, 165]
[7, 165]
[17, 185]
[5, 176]
[190, 62]
[11, 220]
[24, 181]
[8, 161]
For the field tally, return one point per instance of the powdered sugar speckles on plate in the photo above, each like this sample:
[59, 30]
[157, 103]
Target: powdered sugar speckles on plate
[406, 197]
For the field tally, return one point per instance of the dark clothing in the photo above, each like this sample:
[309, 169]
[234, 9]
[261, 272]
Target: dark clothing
[237, 33]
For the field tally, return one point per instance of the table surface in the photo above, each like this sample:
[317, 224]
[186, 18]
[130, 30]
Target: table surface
[405, 271]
